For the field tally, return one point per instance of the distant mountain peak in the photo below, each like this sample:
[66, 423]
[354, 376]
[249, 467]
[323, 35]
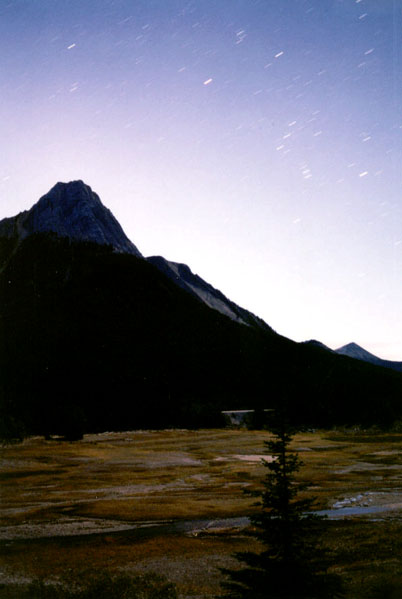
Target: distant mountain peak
[356, 351]
[351, 346]
[352, 350]
[71, 210]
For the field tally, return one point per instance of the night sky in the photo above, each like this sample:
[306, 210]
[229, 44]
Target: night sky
[258, 141]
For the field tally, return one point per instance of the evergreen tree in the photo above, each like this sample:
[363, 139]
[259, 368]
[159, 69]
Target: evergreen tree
[291, 564]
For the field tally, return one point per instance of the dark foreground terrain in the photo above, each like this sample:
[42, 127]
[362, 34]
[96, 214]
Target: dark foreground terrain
[172, 502]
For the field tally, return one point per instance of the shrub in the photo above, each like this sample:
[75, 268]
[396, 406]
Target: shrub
[94, 585]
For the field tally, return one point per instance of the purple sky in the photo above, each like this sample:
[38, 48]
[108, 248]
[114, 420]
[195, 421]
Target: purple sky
[259, 141]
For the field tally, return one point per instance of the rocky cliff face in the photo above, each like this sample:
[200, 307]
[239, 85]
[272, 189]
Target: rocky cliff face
[192, 283]
[70, 210]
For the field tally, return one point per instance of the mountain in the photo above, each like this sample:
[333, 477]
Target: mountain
[183, 277]
[355, 351]
[74, 211]
[94, 337]
[315, 343]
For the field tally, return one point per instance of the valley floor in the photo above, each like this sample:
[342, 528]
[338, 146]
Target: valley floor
[173, 502]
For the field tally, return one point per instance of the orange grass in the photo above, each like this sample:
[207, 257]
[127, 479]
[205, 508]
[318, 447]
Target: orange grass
[162, 475]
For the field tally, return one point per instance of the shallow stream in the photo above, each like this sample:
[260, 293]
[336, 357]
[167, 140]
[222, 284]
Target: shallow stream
[77, 527]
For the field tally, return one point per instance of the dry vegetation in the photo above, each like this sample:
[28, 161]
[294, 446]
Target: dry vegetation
[65, 506]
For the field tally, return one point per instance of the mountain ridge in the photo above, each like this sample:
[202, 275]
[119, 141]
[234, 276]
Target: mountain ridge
[74, 211]
[353, 350]
[93, 338]
[182, 275]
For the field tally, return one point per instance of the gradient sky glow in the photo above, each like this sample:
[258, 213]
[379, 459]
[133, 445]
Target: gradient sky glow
[259, 141]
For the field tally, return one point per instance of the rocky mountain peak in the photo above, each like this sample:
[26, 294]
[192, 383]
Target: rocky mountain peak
[71, 210]
[355, 351]
[352, 350]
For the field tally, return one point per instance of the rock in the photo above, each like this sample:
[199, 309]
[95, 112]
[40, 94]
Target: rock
[182, 275]
[71, 210]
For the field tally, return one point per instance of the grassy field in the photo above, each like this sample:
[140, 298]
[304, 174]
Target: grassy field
[66, 506]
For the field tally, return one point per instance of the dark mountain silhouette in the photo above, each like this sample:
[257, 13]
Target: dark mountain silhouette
[315, 343]
[93, 338]
[355, 351]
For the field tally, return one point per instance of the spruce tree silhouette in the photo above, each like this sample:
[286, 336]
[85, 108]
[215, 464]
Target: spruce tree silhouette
[292, 563]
